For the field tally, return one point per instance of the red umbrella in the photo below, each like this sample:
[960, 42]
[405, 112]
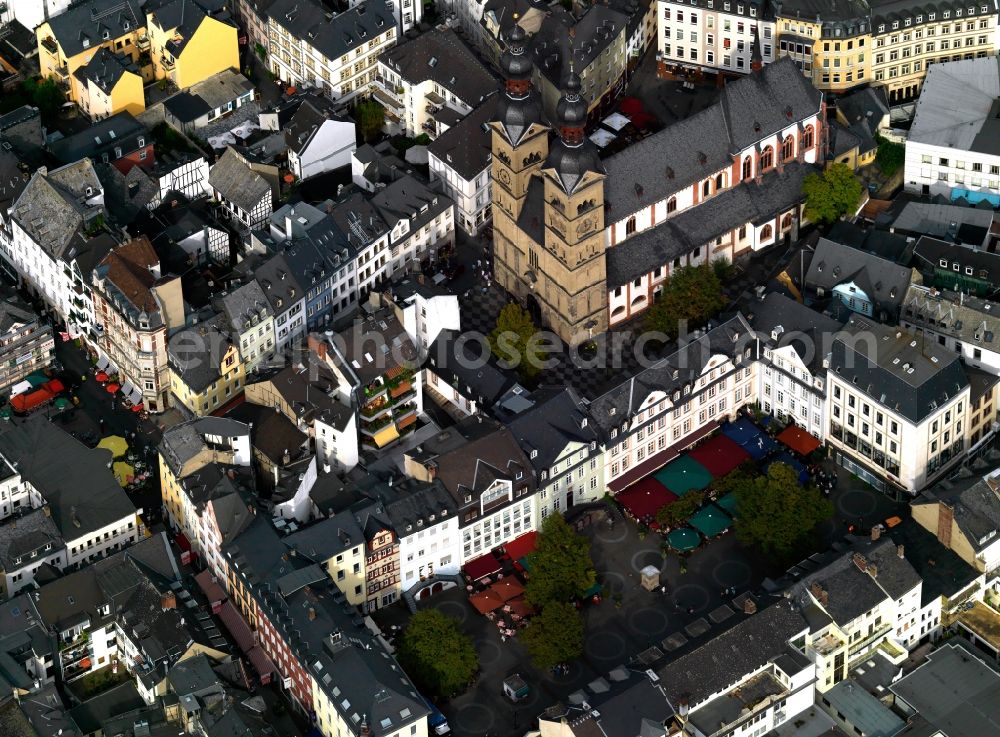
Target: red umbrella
[137, 407]
[112, 388]
[101, 376]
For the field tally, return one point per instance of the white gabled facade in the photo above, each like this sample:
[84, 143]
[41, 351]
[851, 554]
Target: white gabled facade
[430, 549]
[789, 389]
[329, 147]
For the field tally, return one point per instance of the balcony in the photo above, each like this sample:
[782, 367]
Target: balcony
[827, 645]
[376, 407]
[864, 644]
[373, 426]
[142, 43]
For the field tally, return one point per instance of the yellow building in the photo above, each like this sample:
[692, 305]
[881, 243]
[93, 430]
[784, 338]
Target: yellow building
[833, 49]
[187, 46]
[338, 545]
[908, 40]
[206, 371]
[71, 39]
[110, 83]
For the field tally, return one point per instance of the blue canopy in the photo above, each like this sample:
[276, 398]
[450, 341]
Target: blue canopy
[751, 438]
[788, 460]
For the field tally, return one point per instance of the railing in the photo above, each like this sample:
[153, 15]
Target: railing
[863, 644]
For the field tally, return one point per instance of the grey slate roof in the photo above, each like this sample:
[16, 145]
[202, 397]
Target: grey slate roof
[105, 137]
[28, 533]
[458, 361]
[182, 442]
[742, 649]
[88, 499]
[442, 57]
[652, 169]
[807, 330]
[906, 374]
[105, 69]
[50, 210]
[245, 306]
[618, 405]
[333, 37]
[465, 147]
[975, 504]
[562, 39]
[955, 692]
[406, 197]
[237, 182]
[329, 537]
[558, 418]
[84, 24]
[195, 352]
[747, 202]
[929, 252]
[969, 319]
[885, 282]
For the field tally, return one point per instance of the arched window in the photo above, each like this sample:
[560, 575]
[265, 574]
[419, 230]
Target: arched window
[788, 148]
[672, 204]
[706, 188]
[766, 233]
[630, 226]
[720, 181]
[747, 167]
[807, 137]
[767, 158]
[786, 222]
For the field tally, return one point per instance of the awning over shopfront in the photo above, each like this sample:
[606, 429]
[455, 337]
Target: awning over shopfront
[798, 440]
[103, 363]
[386, 435]
[521, 546]
[262, 664]
[483, 566]
[237, 626]
[127, 387]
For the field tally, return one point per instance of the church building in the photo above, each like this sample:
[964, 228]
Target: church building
[586, 243]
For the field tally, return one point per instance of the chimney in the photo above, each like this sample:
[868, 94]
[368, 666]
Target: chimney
[749, 606]
[168, 601]
[873, 570]
[860, 562]
[876, 532]
[946, 516]
[819, 593]
[900, 550]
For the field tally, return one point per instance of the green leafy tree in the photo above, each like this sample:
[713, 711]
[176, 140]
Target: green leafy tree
[777, 515]
[692, 294]
[890, 156]
[554, 636]
[512, 341]
[561, 567]
[832, 194]
[437, 654]
[370, 116]
[677, 512]
[45, 94]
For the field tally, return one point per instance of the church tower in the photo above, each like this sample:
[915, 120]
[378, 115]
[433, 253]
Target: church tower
[520, 139]
[572, 276]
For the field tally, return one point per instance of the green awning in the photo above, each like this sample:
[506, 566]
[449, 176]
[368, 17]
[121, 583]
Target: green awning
[684, 475]
[728, 503]
[710, 521]
[683, 538]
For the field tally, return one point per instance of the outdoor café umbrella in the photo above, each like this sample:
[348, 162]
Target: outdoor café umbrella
[112, 388]
[683, 538]
[116, 444]
[123, 472]
[101, 376]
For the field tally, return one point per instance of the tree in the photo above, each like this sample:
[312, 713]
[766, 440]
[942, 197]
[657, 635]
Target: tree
[677, 512]
[370, 116]
[554, 636]
[831, 194]
[437, 654]
[890, 155]
[561, 567]
[776, 514]
[692, 294]
[511, 341]
[45, 94]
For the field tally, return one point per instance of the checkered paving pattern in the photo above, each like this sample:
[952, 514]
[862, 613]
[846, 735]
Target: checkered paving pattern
[590, 378]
